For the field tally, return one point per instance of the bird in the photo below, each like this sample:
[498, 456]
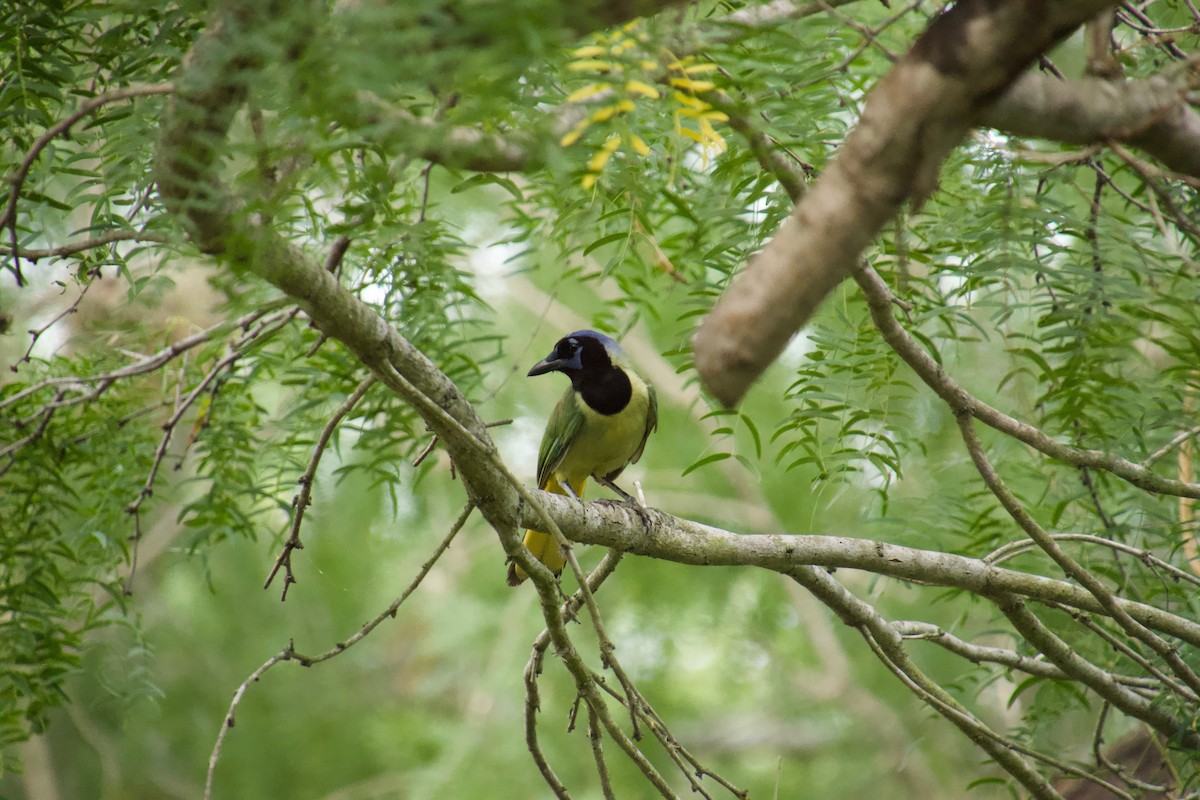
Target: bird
[598, 428]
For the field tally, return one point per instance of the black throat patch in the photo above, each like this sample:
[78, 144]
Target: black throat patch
[605, 392]
[602, 385]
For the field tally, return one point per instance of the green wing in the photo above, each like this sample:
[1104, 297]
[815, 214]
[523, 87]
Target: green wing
[651, 423]
[561, 430]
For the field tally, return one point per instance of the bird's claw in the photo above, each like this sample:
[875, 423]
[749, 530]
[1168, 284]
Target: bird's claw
[631, 503]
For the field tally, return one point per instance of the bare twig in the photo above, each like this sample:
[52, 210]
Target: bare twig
[1176, 441]
[45, 414]
[36, 333]
[596, 737]
[107, 238]
[1011, 549]
[142, 366]
[303, 499]
[8, 219]
[264, 327]
[433, 442]
[533, 669]
[978, 654]
[286, 654]
[1070, 566]
[289, 653]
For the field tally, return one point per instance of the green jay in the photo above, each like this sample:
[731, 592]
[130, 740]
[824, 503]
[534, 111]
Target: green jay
[598, 428]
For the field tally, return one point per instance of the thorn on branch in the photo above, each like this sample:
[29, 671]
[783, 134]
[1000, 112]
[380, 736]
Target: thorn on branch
[303, 499]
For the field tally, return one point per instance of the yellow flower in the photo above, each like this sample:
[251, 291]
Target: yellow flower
[593, 65]
[690, 102]
[642, 88]
[590, 51]
[693, 86]
[591, 90]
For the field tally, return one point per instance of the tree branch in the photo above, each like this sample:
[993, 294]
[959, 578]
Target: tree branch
[1102, 683]
[977, 654]
[303, 499]
[888, 646]
[911, 121]
[8, 219]
[685, 542]
[1072, 568]
[879, 302]
[289, 653]
[1150, 114]
[109, 237]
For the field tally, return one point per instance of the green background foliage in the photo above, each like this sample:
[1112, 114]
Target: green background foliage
[1048, 289]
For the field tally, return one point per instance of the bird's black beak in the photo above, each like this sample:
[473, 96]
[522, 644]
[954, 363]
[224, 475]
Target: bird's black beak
[547, 364]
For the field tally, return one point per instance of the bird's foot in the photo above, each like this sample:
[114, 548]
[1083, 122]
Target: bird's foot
[627, 500]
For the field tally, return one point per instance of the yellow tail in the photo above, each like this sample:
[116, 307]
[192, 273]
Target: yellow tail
[542, 544]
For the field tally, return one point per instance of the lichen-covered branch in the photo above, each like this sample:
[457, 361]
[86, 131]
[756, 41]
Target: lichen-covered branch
[687, 542]
[911, 121]
[1151, 114]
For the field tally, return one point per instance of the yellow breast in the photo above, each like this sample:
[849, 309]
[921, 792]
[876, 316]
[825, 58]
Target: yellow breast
[606, 444]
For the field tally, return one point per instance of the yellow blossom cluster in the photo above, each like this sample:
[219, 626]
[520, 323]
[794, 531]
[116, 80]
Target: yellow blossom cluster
[615, 56]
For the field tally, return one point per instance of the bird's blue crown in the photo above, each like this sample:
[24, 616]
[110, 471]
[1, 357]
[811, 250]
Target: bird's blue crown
[610, 344]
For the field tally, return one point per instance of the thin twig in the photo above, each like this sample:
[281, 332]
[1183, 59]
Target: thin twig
[289, 653]
[1176, 441]
[265, 327]
[433, 442]
[1072, 568]
[145, 365]
[596, 737]
[9, 218]
[303, 499]
[36, 254]
[1011, 549]
[533, 669]
[46, 414]
[227, 723]
[977, 654]
[36, 333]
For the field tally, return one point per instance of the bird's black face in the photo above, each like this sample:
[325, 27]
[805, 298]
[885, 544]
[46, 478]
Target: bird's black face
[574, 354]
[586, 357]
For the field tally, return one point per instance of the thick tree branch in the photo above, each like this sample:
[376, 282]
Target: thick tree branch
[1152, 115]
[911, 121]
[212, 86]
[685, 542]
